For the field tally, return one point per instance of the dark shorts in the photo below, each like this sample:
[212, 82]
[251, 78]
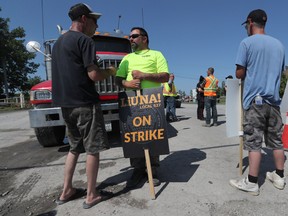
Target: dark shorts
[86, 129]
[262, 120]
[140, 163]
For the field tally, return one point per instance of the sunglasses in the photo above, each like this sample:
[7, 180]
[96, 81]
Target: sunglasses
[134, 36]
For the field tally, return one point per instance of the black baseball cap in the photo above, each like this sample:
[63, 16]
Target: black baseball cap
[258, 16]
[82, 9]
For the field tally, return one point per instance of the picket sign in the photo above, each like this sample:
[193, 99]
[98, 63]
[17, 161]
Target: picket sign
[234, 115]
[143, 126]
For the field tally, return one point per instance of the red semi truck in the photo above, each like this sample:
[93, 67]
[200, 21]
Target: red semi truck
[47, 120]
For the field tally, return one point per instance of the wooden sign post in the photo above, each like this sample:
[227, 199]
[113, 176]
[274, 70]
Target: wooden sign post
[143, 126]
[149, 172]
[241, 132]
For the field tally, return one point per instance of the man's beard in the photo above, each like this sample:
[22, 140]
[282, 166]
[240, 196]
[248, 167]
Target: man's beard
[134, 46]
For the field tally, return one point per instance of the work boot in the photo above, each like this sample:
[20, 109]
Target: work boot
[156, 181]
[206, 125]
[276, 180]
[136, 177]
[176, 119]
[245, 185]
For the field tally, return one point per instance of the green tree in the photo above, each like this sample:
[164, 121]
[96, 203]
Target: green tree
[30, 83]
[182, 93]
[15, 60]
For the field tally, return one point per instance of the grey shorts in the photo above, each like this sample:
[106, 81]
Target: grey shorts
[86, 129]
[262, 120]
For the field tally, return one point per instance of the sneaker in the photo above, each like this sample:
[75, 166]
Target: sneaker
[245, 185]
[276, 180]
[137, 176]
[215, 124]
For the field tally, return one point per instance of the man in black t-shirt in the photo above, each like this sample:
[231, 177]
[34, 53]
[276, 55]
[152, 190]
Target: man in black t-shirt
[200, 98]
[74, 71]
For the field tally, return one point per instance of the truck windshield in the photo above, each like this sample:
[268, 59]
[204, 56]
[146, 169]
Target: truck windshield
[112, 44]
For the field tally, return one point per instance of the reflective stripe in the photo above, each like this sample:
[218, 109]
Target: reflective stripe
[166, 89]
[211, 88]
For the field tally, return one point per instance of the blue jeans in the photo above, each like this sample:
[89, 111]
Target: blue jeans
[210, 103]
[170, 106]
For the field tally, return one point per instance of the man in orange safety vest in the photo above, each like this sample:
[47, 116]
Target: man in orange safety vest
[210, 97]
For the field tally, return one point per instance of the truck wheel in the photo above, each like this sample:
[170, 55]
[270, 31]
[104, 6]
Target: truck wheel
[50, 136]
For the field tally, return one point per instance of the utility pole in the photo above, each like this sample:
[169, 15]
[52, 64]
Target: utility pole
[43, 28]
[143, 18]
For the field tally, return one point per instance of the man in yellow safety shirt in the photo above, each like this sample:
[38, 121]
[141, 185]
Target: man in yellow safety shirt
[169, 93]
[143, 68]
[210, 97]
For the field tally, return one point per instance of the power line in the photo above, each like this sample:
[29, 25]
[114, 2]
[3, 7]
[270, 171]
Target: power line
[185, 77]
[193, 78]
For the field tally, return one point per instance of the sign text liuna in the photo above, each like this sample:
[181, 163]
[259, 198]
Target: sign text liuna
[141, 100]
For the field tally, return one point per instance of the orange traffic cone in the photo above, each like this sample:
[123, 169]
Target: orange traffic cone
[285, 134]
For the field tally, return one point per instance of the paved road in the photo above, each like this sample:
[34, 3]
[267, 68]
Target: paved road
[14, 128]
[194, 175]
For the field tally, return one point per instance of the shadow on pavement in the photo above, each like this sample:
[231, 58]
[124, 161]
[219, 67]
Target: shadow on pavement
[179, 166]
[267, 164]
[171, 131]
[176, 167]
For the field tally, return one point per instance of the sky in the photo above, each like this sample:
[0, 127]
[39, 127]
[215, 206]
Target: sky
[193, 35]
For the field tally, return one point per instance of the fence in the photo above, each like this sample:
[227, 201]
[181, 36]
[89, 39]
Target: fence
[14, 101]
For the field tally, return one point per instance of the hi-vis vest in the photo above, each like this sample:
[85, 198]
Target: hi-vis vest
[167, 91]
[210, 88]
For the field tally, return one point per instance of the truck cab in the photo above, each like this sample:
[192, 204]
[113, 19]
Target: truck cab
[47, 120]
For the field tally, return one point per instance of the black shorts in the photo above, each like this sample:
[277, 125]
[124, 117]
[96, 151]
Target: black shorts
[86, 129]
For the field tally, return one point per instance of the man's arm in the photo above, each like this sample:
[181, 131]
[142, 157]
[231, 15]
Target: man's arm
[155, 77]
[133, 84]
[97, 74]
[200, 89]
[240, 72]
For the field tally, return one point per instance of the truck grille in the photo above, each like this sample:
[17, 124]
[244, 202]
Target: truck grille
[108, 85]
